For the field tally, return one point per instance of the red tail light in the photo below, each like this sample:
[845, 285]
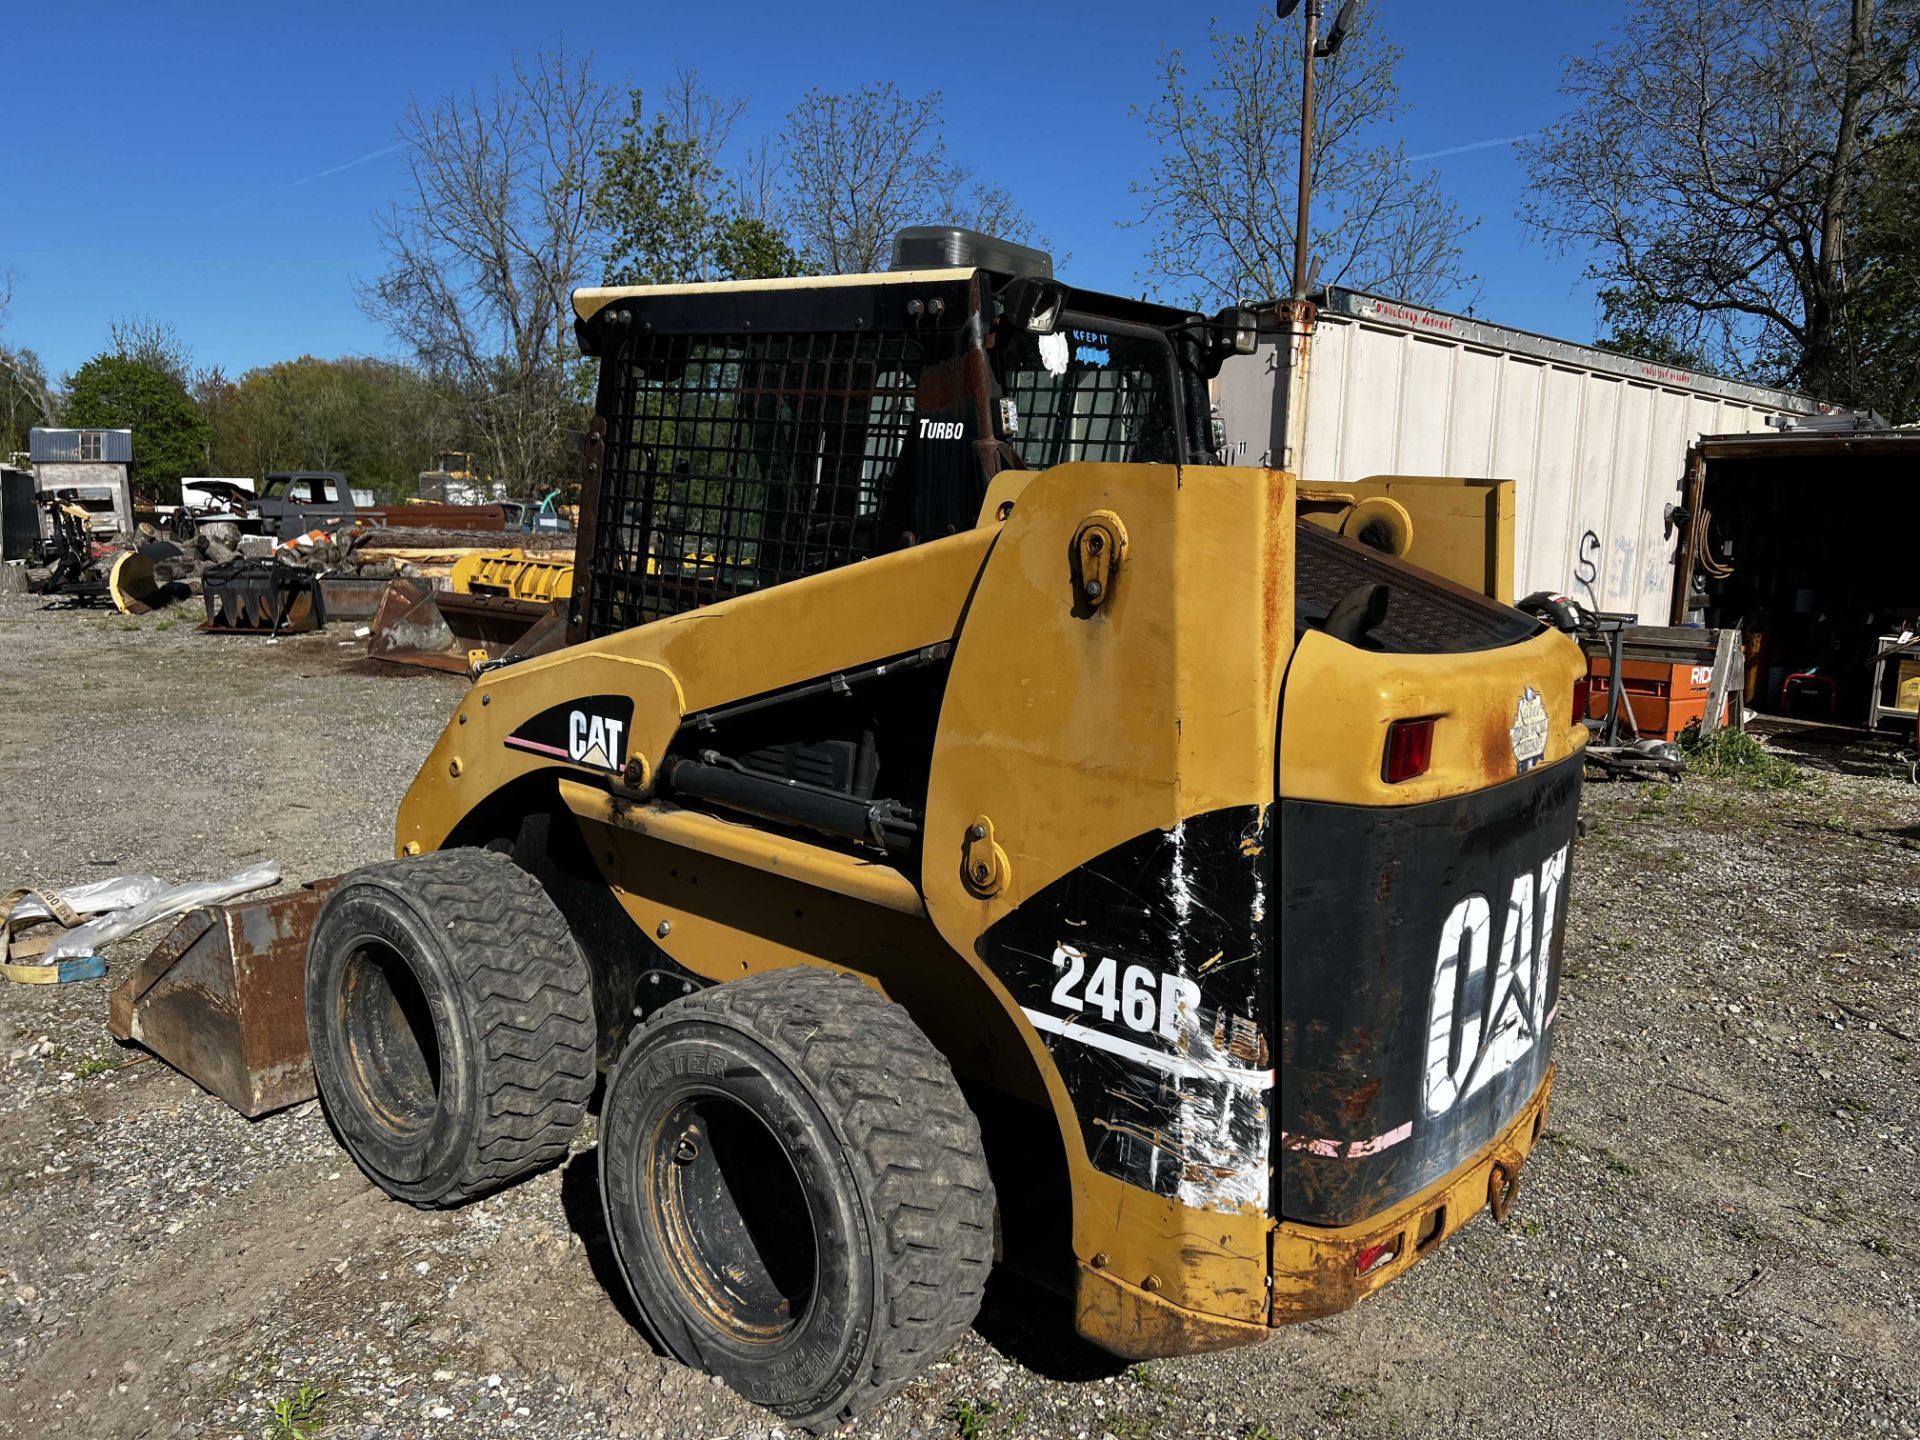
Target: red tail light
[1409, 750]
[1372, 1257]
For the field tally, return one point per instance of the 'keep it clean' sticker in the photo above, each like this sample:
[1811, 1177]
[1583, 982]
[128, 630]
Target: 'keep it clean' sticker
[1529, 732]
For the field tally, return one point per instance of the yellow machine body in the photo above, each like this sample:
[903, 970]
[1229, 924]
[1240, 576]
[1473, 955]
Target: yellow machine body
[1182, 711]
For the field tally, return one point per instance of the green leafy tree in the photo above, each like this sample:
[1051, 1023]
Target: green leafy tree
[111, 392]
[1882, 329]
[672, 215]
[752, 248]
[1712, 167]
[1633, 327]
[378, 422]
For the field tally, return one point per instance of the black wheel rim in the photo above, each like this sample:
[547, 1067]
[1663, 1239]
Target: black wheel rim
[392, 1043]
[736, 1228]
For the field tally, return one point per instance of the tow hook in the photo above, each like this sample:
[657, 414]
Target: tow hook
[1503, 1185]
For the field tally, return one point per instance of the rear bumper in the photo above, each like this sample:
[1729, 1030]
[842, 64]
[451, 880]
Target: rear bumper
[1316, 1269]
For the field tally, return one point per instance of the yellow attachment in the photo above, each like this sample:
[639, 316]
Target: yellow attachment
[1456, 527]
[132, 585]
[514, 574]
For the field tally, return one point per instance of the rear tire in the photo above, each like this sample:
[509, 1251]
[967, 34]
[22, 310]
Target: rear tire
[796, 1191]
[450, 1015]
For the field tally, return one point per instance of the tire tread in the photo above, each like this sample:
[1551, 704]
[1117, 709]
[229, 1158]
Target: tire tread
[529, 991]
[907, 1127]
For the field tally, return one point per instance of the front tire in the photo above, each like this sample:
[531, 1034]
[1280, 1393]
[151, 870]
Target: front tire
[796, 1191]
[450, 1015]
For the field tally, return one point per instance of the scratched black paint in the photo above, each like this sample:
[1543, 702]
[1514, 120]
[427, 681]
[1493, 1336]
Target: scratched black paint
[1364, 894]
[1189, 903]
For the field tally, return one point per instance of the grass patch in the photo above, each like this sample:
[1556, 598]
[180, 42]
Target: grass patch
[970, 1420]
[1734, 755]
[93, 1065]
[299, 1415]
[1345, 1404]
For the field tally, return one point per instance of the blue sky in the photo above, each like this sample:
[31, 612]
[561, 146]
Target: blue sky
[148, 149]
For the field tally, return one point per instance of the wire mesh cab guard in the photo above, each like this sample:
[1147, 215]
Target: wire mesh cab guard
[754, 433]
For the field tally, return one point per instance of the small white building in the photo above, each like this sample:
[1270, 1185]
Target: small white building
[92, 463]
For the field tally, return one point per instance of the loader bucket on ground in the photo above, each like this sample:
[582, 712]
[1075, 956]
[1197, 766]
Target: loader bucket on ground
[442, 630]
[222, 999]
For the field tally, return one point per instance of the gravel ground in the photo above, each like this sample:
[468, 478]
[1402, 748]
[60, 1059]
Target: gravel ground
[1715, 1238]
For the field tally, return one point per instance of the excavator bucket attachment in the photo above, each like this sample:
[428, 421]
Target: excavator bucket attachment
[441, 629]
[222, 999]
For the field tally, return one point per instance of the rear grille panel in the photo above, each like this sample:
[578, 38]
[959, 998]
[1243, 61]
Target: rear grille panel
[734, 462]
[1426, 615]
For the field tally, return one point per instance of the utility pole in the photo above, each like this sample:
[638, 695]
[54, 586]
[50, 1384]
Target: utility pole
[1316, 49]
[1306, 151]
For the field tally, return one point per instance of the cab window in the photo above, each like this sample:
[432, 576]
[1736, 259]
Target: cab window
[1090, 391]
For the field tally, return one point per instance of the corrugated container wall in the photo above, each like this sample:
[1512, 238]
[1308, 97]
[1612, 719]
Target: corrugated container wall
[68, 447]
[1596, 443]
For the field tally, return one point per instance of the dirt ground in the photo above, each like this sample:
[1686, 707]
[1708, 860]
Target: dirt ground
[1716, 1238]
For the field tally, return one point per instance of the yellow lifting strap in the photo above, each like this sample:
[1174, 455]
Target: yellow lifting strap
[15, 958]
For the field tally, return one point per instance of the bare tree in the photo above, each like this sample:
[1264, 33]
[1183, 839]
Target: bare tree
[1711, 164]
[1220, 201]
[863, 166]
[154, 344]
[497, 224]
[25, 396]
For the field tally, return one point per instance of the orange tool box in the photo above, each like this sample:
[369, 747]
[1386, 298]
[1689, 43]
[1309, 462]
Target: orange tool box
[1665, 672]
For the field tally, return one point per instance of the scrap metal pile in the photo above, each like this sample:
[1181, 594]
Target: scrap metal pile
[436, 599]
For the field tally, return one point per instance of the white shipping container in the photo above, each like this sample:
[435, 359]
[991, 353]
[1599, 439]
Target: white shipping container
[1595, 442]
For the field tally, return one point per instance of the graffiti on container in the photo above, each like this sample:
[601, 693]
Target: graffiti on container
[1620, 572]
[1588, 569]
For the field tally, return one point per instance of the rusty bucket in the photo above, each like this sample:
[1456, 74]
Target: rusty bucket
[222, 999]
[442, 629]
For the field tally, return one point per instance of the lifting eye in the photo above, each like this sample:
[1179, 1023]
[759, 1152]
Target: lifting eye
[1409, 750]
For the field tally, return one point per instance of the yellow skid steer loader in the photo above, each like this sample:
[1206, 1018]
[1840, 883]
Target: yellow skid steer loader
[971, 825]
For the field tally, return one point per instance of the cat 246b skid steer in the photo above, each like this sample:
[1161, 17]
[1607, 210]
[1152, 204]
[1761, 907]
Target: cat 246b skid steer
[970, 824]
